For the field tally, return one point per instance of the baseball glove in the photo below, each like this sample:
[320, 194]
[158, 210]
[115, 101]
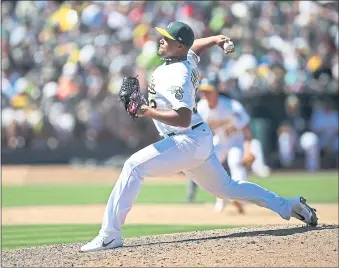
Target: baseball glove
[248, 160]
[130, 96]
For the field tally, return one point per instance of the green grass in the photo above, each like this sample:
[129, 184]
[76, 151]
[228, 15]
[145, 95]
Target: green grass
[321, 188]
[18, 236]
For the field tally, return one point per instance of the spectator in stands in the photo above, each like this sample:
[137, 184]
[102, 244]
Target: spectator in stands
[295, 137]
[324, 122]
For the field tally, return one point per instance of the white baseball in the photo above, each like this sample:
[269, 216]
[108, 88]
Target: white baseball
[228, 45]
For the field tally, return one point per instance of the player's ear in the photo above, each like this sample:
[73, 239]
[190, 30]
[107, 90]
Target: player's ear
[180, 45]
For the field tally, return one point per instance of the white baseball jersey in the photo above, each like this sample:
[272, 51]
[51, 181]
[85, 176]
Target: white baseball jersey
[174, 86]
[226, 120]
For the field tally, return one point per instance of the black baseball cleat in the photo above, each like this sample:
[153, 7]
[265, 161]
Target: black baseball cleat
[303, 212]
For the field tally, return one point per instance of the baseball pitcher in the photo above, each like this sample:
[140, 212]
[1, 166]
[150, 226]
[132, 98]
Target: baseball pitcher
[187, 143]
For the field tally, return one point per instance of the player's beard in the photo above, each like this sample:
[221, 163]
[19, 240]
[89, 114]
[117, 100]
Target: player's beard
[161, 51]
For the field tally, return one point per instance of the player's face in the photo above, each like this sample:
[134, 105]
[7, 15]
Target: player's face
[168, 47]
[211, 97]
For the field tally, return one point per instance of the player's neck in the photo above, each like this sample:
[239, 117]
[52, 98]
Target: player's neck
[170, 60]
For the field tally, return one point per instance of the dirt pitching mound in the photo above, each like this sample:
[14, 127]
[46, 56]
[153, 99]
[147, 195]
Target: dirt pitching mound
[270, 246]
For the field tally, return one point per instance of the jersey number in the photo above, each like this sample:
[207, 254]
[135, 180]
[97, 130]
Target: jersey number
[152, 104]
[194, 80]
[151, 90]
[151, 87]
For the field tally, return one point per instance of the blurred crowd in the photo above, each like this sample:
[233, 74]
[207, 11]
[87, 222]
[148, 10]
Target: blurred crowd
[63, 61]
[314, 136]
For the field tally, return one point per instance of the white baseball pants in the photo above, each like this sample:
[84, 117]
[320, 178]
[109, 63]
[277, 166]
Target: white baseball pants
[193, 154]
[286, 149]
[309, 142]
[256, 149]
[234, 156]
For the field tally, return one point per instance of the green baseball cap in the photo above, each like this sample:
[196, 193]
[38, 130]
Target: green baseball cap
[207, 85]
[178, 31]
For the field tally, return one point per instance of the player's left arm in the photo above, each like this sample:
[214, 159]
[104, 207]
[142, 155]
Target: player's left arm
[248, 138]
[200, 45]
[249, 157]
[243, 124]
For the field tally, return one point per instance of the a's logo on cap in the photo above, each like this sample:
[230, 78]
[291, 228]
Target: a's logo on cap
[170, 25]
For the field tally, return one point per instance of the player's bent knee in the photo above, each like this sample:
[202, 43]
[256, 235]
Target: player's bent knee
[131, 165]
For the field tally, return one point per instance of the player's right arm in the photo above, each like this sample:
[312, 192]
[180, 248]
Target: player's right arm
[243, 123]
[179, 98]
[202, 44]
[180, 117]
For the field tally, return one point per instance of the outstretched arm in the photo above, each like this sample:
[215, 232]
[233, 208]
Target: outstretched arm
[248, 138]
[202, 44]
[248, 157]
